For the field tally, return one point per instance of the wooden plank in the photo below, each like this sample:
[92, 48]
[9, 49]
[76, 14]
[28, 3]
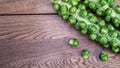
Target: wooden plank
[25, 6]
[28, 6]
[42, 42]
[117, 2]
[38, 27]
[11, 52]
[52, 54]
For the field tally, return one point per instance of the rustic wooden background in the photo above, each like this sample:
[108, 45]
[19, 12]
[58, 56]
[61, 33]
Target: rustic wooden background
[32, 35]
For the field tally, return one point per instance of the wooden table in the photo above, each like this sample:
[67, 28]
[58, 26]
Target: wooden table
[32, 35]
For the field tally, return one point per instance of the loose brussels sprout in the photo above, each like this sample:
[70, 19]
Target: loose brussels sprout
[103, 56]
[85, 54]
[73, 42]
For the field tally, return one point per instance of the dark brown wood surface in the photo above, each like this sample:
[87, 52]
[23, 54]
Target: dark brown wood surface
[32, 36]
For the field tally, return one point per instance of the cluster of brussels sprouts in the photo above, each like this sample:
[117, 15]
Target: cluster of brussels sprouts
[106, 9]
[88, 23]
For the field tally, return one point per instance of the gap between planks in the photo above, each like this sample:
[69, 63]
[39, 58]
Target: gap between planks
[28, 14]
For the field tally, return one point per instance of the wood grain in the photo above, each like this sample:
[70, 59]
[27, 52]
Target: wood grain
[35, 27]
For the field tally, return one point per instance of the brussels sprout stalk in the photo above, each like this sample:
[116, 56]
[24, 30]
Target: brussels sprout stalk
[87, 23]
[106, 8]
